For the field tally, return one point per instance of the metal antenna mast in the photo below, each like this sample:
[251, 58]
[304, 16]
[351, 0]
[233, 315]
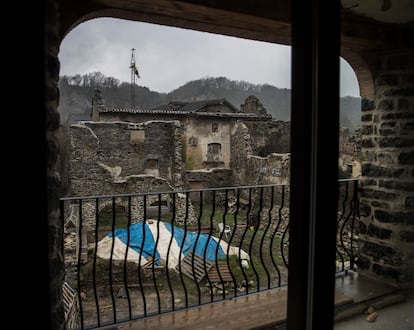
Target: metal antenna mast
[134, 72]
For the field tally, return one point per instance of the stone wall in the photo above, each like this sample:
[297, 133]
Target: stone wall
[113, 158]
[250, 168]
[241, 148]
[211, 178]
[387, 198]
[273, 169]
[253, 105]
[269, 137]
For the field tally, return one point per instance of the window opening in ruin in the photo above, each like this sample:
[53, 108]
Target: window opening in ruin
[158, 208]
[161, 203]
[152, 163]
[214, 127]
[214, 152]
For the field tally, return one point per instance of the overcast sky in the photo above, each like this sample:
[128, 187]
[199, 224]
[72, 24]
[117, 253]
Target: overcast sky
[168, 57]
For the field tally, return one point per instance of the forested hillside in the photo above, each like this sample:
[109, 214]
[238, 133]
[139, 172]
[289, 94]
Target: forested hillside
[76, 94]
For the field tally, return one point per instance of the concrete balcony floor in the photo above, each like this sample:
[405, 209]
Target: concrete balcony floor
[267, 310]
[394, 307]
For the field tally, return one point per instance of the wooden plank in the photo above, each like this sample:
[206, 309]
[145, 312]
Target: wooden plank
[71, 308]
[195, 268]
[150, 261]
[222, 275]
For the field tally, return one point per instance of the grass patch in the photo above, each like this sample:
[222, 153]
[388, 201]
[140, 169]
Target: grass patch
[106, 219]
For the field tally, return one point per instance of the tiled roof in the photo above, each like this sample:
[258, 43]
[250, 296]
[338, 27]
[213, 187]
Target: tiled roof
[190, 109]
[194, 106]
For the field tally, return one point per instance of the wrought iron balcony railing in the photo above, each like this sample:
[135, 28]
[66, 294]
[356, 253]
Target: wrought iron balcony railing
[132, 256]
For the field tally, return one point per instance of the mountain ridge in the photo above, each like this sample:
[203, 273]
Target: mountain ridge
[76, 94]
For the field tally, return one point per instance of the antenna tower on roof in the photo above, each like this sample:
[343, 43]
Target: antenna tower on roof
[134, 72]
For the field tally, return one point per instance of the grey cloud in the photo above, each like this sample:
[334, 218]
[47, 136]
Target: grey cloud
[169, 57]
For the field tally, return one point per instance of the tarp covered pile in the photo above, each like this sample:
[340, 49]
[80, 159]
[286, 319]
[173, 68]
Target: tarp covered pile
[153, 238]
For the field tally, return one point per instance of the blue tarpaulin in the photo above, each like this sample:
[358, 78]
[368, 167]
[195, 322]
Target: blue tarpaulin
[163, 241]
[202, 244]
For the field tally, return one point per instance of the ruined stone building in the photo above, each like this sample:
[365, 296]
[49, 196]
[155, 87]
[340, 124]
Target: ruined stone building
[180, 145]
[184, 145]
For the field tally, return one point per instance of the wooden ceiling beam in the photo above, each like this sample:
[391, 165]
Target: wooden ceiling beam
[259, 20]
